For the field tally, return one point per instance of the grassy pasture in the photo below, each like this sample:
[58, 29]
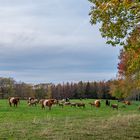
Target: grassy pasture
[69, 123]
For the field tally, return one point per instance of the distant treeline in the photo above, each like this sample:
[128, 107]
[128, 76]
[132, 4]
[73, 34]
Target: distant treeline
[97, 90]
[81, 89]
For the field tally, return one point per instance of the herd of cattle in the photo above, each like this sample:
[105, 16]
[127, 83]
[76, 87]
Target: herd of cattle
[64, 102]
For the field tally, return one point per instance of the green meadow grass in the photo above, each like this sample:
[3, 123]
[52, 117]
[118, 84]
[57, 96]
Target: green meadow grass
[69, 123]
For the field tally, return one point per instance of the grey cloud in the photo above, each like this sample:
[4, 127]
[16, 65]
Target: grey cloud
[52, 41]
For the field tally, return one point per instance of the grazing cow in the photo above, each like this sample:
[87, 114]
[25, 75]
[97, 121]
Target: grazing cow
[56, 101]
[13, 100]
[127, 102]
[61, 104]
[139, 108]
[67, 103]
[73, 104]
[47, 102]
[107, 102]
[31, 98]
[114, 106]
[67, 99]
[92, 104]
[33, 102]
[97, 103]
[80, 105]
[41, 101]
[63, 101]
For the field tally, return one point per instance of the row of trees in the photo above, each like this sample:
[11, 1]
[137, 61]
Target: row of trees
[112, 89]
[9, 87]
[82, 90]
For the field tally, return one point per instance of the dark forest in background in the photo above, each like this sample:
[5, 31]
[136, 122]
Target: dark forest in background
[96, 90]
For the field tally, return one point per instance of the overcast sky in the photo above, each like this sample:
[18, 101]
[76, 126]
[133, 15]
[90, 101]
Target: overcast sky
[53, 41]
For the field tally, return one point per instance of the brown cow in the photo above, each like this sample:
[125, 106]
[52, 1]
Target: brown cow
[92, 104]
[67, 103]
[73, 104]
[47, 102]
[61, 104]
[80, 105]
[97, 103]
[41, 101]
[114, 106]
[31, 98]
[127, 102]
[33, 102]
[13, 100]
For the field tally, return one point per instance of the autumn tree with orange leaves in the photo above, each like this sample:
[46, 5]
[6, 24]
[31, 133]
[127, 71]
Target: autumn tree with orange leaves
[120, 25]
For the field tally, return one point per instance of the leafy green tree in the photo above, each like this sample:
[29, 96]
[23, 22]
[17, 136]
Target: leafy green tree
[118, 18]
[7, 86]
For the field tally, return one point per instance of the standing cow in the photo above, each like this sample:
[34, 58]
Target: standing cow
[81, 105]
[47, 102]
[127, 102]
[13, 100]
[114, 106]
[97, 103]
[107, 102]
